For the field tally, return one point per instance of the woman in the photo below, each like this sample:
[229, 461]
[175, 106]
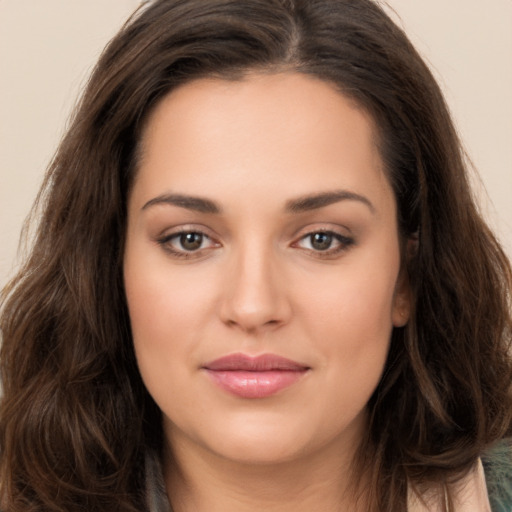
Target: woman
[259, 281]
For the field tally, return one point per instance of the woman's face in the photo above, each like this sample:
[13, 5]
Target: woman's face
[262, 267]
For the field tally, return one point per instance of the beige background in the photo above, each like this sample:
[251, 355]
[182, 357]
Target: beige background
[47, 48]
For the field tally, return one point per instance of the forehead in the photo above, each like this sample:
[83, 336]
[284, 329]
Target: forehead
[294, 132]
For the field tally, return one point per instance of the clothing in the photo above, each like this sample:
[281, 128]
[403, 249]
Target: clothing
[470, 496]
[497, 464]
[488, 488]
[155, 487]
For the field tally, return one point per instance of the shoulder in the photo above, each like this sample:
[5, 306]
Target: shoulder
[497, 463]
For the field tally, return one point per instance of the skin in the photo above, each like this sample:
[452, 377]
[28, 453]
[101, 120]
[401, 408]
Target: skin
[258, 284]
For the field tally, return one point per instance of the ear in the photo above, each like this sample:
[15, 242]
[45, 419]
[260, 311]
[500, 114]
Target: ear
[402, 299]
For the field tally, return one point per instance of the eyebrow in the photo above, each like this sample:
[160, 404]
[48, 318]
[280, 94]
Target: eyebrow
[322, 199]
[301, 204]
[198, 204]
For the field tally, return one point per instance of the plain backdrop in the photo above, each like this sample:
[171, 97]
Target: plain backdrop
[48, 47]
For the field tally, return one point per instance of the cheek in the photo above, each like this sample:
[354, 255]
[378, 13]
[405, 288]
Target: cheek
[351, 308]
[165, 301]
[354, 336]
[350, 318]
[168, 311]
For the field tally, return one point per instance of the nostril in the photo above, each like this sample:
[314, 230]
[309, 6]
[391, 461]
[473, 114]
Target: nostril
[252, 325]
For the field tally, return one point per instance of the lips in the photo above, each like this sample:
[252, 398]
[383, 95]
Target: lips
[254, 377]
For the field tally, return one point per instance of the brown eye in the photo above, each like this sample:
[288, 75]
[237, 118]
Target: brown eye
[191, 241]
[187, 244]
[321, 241]
[325, 244]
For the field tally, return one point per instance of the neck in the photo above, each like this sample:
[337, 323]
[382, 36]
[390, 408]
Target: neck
[203, 481]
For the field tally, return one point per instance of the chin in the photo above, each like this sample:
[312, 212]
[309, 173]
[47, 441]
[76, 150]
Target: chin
[252, 439]
[260, 452]
[270, 440]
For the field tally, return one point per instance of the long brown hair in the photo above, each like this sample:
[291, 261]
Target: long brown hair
[76, 419]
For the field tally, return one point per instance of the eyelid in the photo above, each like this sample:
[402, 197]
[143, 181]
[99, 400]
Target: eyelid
[185, 228]
[344, 241]
[164, 240]
[317, 227]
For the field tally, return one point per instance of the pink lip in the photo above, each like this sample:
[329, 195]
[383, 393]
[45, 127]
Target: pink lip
[254, 377]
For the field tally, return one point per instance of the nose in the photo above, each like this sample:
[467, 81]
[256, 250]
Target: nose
[255, 296]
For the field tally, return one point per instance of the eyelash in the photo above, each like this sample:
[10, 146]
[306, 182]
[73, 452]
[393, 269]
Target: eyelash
[343, 243]
[166, 243]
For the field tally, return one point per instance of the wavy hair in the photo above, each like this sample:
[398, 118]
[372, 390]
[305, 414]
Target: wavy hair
[75, 418]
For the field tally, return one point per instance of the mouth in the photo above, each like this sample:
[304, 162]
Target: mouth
[254, 377]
